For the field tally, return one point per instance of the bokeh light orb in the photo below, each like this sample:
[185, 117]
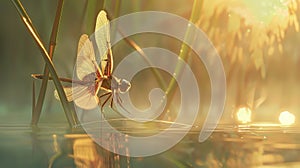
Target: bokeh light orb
[244, 115]
[286, 118]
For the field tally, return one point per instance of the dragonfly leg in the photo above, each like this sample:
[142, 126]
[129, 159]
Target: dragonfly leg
[105, 94]
[106, 99]
[111, 105]
[111, 102]
[114, 93]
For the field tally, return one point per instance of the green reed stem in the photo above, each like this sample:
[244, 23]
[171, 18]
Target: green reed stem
[90, 15]
[93, 7]
[42, 93]
[117, 8]
[185, 49]
[156, 73]
[135, 46]
[71, 116]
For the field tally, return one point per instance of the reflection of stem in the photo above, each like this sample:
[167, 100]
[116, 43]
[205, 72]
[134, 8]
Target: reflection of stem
[41, 98]
[53, 158]
[71, 117]
[57, 151]
[37, 149]
[176, 162]
[33, 98]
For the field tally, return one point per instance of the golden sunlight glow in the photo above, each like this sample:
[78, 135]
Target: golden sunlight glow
[244, 115]
[264, 11]
[249, 27]
[286, 118]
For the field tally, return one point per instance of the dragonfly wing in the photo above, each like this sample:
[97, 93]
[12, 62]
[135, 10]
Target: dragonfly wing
[68, 92]
[87, 102]
[86, 62]
[88, 98]
[102, 37]
[73, 93]
[84, 96]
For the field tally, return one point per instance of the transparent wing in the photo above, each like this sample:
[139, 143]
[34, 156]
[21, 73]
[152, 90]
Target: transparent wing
[68, 92]
[74, 92]
[87, 100]
[83, 96]
[102, 37]
[86, 62]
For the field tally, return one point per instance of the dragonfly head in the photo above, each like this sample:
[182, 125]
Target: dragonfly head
[124, 86]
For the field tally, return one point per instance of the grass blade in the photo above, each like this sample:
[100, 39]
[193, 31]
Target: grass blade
[185, 49]
[135, 46]
[93, 7]
[117, 8]
[156, 73]
[71, 116]
[42, 93]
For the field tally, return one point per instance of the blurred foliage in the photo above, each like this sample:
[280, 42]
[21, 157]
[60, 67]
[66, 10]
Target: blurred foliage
[257, 41]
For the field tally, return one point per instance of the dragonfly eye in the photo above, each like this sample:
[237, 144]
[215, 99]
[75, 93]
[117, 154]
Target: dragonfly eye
[124, 86]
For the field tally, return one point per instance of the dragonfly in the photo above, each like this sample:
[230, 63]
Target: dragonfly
[91, 76]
